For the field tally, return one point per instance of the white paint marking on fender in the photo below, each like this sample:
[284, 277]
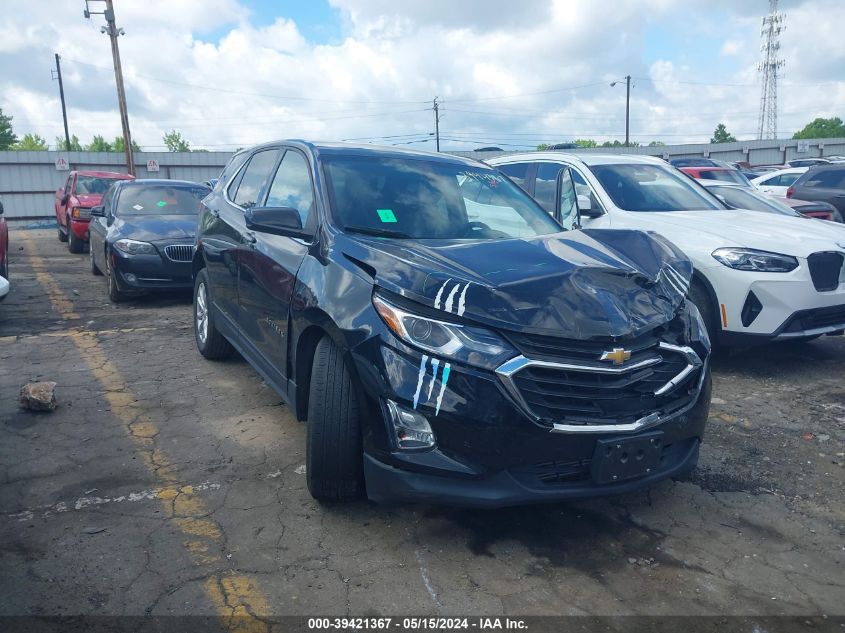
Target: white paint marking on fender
[671, 282]
[462, 301]
[440, 293]
[420, 378]
[451, 298]
[678, 277]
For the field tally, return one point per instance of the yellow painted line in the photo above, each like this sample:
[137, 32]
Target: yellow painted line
[237, 598]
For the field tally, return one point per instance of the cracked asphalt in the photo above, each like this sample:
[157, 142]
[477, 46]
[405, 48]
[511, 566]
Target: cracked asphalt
[167, 484]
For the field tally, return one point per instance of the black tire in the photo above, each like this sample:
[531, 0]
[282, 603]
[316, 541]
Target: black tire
[62, 234]
[334, 454]
[701, 298]
[214, 346]
[74, 244]
[115, 294]
[94, 270]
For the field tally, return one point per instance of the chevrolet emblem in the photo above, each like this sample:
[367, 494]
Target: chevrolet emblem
[618, 355]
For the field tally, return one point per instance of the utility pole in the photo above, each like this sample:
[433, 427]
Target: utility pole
[62, 96]
[113, 32]
[436, 124]
[627, 109]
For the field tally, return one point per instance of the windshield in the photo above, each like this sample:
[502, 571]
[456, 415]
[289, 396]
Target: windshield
[741, 198]
[637, 187]
[419, 199]
[724, 175]
[161, 199]
[93, 184]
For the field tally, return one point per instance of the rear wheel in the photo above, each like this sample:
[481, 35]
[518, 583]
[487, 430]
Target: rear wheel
[210, 342]
[74, 244]
[701, 298]
[334, 455]
[115, 293]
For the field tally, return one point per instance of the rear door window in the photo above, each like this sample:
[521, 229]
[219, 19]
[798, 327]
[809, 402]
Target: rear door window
[826, 179]
[518, 172]
[249, 188]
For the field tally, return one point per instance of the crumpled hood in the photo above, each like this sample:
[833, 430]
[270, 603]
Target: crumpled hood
[579, 284]
[696, 230]
[152, 228]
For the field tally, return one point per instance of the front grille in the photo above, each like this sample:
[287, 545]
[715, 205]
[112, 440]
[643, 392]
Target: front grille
[180, 252]
[562, 381]
[825, 269]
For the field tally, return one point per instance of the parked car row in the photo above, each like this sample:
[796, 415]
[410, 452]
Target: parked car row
[536, 328]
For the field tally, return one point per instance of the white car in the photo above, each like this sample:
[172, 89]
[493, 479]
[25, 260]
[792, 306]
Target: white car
[775, 183]
[757, 275]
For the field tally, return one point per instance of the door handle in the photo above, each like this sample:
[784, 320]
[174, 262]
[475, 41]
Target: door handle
[249, 238]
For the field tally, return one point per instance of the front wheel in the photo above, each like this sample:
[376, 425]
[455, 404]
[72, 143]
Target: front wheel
[74, 244]
[115, 294]
[94, 269]
[210, 342]
[334, 454]
[62, 234]
[701, 298]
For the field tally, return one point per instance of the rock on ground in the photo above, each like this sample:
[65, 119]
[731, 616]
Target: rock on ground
[39, 396]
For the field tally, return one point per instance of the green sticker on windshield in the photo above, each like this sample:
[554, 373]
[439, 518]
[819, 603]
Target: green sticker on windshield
[161, 203]
[386, 215]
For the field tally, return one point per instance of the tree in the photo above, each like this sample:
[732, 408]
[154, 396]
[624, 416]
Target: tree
[822, 128]
[118, 146]
[618, 143]
[721, 135]
[30, 142]
[75, 145]
[542, 147]
[175, 143]
[656, 144]
[7, 135]
[585, 142]
[99, 144]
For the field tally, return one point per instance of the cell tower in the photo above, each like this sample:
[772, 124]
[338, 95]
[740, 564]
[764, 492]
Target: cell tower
[773, 26]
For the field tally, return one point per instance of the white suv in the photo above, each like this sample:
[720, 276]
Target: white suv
[756, 274]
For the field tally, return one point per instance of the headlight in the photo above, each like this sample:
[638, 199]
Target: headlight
[754, 260]
[134, 247]
[471, 345]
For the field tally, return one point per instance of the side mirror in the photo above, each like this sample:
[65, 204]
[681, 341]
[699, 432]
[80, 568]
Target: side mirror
[98, 212]
[586, 207]
[65, 199]
[275, 220]
[566, 206]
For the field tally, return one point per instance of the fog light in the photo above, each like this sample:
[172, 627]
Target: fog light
[411, 430]
[130, 278]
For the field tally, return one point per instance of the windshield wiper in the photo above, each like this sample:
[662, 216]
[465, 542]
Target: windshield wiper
[366, 230]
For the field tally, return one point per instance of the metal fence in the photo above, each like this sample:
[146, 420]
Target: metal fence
[765, 152]
[29, 180]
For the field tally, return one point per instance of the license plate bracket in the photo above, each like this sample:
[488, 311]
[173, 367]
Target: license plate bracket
[620, 459]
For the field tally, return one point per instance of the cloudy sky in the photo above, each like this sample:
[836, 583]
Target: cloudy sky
[230, 73]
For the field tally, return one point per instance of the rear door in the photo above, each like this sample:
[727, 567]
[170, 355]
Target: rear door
[223, 229]
[268, 264]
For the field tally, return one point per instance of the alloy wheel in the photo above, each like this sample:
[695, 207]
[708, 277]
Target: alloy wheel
[202, 313]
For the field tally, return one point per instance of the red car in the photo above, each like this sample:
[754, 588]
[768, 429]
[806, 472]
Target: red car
[83, 190]
[4, 255]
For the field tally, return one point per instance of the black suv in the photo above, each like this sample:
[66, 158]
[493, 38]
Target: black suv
[443, 337]
[824, 183]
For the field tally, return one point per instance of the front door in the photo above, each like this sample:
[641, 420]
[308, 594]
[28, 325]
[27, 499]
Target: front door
[268, 265]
